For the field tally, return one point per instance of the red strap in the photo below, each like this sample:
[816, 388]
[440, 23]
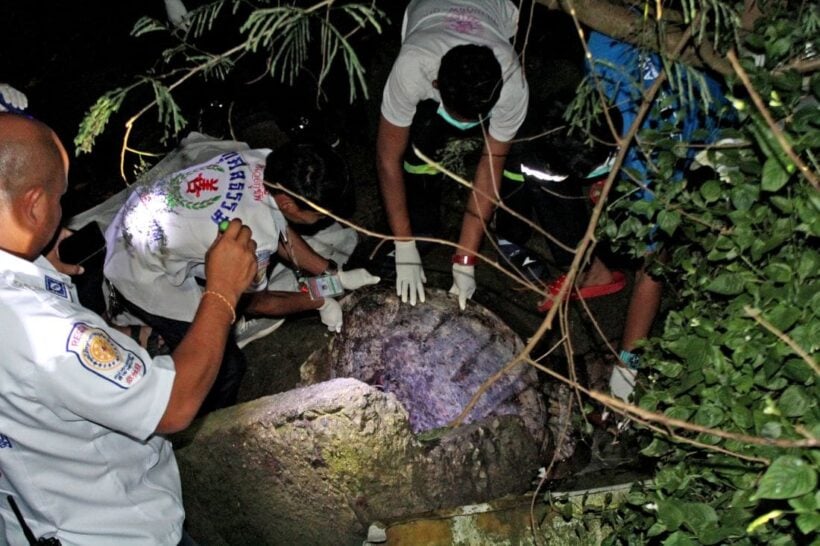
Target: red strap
[463, 259]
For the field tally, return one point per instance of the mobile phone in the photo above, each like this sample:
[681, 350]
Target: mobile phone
[323, 286]
[82, 245]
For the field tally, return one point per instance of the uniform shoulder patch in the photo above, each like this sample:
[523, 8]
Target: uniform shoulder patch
[100, 354]
[56, 287]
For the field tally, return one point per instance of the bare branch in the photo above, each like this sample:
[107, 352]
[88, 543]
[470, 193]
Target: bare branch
[758, 316]
[776, 130]
[629, 26]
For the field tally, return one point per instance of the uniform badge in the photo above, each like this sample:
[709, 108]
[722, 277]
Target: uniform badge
[103, 356]
[56, 287]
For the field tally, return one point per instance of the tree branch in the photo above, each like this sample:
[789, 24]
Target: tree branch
[770, 121]
[629, 26]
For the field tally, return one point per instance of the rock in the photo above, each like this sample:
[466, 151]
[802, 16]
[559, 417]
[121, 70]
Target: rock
[317, 465]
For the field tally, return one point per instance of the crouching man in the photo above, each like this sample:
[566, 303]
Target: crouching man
[156, 245]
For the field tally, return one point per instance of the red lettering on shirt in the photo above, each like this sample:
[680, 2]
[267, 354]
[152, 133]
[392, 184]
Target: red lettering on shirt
[200, 184]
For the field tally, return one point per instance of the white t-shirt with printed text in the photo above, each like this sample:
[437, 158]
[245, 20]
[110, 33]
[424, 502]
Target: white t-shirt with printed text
[156, 244]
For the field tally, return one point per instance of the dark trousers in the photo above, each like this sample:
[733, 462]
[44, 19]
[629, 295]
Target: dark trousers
[559, 208]
[186, 540]
[233, 367]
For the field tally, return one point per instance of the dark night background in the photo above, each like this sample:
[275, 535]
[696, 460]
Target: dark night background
[63, 56]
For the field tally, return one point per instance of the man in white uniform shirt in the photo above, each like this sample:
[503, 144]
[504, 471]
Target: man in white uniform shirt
[456, 76]
[82, 406]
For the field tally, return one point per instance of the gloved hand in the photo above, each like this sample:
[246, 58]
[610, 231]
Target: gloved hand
[177, 14]
[12, 97]
[622, 382]
[463, 283]
[331, 314]
[356, 278]
[410, 277]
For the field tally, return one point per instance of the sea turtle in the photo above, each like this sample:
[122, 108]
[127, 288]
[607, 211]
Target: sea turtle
[433, 357]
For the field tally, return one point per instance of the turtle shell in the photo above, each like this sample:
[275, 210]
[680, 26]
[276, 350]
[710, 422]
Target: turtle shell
[434, 357]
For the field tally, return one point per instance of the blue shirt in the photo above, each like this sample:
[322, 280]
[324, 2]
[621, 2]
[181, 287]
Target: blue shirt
[626, 73]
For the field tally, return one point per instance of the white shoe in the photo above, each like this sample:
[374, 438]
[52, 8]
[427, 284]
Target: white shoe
[247, 330]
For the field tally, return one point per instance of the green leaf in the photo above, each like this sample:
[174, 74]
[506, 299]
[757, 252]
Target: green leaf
[808, 523]
[709, 415]
[741, 416]
[794, 402]
[728, 284]
[656, 529]
[778, 272]
[711, 191]
[772, 430]
[809, 265]
[679, 539]
[668, 368]
[695, 350]
[698, 513]
[744, 197]
[797, 370]
[670, 513]
[668, 221]
[804, 504]
[783, 203]
[713, 533]
[783, 316]
[775, 175]
[786, 478]
[656, 448]
[678, 412]
[778, 47]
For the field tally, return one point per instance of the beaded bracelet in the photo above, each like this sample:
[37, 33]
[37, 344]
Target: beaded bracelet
[463, 259]
[224, 300]
[630, 360]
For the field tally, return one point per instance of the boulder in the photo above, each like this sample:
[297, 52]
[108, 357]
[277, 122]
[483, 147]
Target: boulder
[318, 464]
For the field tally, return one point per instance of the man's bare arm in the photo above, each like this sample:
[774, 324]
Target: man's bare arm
[486, 185]
[230, 265]
[296, 251]
[391, 142]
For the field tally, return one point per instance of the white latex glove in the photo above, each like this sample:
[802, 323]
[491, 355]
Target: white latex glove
[622, 382]
[331, 314]
[356, 278]
[410, 277]
[12, 97]
[177, 14]
[463, 283]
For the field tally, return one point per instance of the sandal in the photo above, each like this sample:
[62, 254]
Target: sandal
[586, 292]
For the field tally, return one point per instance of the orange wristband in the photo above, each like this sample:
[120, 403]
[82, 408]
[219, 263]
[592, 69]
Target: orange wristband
[224, 300]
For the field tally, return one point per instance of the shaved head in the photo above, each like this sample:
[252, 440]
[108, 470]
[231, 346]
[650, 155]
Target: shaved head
[33, 178]
[30, 156]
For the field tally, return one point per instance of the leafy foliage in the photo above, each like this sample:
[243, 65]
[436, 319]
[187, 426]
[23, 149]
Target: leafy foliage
[283, 34]
[737, 357]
